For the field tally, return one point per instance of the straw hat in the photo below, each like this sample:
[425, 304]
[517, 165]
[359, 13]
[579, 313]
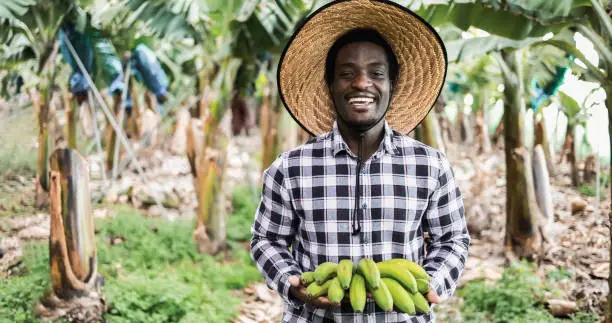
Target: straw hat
[419, 49]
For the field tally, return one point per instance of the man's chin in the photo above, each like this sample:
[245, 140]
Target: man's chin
[361, 124]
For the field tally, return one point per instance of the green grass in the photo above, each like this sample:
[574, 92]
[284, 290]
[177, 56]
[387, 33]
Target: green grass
[19, 294]
[244, 203]
[517, 297]
[152, 274]
[162, 278]
[591, 190]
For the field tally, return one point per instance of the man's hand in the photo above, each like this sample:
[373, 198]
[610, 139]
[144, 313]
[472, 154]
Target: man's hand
[298, 290]
[433, 297]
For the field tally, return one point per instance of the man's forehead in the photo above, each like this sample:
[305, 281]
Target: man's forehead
[357, 51]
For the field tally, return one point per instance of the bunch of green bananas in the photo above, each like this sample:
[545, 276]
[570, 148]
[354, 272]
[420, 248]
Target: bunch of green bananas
[395, 282]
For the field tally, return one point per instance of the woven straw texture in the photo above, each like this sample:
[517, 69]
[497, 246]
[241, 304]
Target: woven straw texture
[419, 50]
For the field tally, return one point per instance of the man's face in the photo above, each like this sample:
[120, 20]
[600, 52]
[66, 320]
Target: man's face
[361, 87]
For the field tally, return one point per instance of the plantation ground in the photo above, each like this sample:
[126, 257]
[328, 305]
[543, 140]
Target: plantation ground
[153, 273]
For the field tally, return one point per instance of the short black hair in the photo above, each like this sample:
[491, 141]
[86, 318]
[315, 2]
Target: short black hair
[360, 35]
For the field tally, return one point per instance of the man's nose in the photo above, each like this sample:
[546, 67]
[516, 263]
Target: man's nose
[362, 82]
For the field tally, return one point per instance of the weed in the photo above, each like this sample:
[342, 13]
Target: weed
[559, 274]
[244, 203]
[19, 294]
[516, 297]
[590, 190]
[152, 273]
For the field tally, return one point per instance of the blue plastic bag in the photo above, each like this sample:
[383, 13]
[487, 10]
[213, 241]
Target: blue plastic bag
[149, 71]
[83, 45]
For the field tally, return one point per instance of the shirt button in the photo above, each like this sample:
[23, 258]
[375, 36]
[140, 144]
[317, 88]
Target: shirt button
[364, 205]
[363, 171]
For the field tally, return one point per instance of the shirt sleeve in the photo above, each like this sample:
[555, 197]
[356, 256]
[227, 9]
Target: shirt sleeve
[447, 248]
[273, 231]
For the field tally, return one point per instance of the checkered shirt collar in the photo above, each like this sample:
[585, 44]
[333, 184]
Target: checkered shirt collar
[387, 145]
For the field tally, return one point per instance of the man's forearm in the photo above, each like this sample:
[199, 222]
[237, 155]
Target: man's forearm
[276, 264]
[445, 262]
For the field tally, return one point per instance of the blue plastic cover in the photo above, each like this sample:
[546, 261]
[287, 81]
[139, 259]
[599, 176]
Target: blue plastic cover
[83, 45]
[148, 70]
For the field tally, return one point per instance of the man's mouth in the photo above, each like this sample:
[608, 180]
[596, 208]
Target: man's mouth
[360, 102]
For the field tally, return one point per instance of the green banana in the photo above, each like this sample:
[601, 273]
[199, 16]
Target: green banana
[367, 267]
[325, 271]
[383, 297]
[417, 271]
[315, 290]
[399, 273]
[401, 298]
[423, 286]
[357, 293]
[345, 273]
[307, 277]
[335, 293]
[420, 303]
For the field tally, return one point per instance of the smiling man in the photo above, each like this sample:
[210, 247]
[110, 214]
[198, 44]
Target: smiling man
[358, 75]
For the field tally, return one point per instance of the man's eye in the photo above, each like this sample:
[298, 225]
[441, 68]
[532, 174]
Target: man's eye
[346, 74]
[378, 74]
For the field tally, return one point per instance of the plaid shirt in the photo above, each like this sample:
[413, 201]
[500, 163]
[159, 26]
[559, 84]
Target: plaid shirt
[307, 205]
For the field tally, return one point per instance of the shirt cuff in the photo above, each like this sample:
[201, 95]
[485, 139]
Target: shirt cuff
[437, 285]
[283, 290]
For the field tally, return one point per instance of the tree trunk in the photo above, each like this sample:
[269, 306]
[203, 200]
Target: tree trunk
[499, 130]
[608, 89]
[461, 124]
[482, 133]
[570, 147]
[179, 139]
[485, 120]
[72, 250]
[72, 119]
[86, 119]
[39, 100]
[151, 101]
[270, 119]
[431, 133]
[111, 135]
[241, 115]
[541, 138]
[209, 163]
[589, 171]
[468, 128]
[523, 217]
[542, 183]
[134, 120]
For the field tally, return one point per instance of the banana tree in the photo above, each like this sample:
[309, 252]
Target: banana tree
[576, 117]
[480, 77]
[28, 37]
[227, 35]
[518, 20]
[523, 225]
[72, 251]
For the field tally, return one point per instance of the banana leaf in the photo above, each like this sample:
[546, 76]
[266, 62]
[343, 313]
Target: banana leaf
[570, 107]
[172, 20]
[514, 19]
[268, 28]
[472, 47]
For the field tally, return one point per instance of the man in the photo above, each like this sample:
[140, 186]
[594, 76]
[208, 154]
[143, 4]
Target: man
[359, 189]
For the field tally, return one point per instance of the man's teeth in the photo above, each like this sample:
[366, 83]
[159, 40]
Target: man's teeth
[360, 100]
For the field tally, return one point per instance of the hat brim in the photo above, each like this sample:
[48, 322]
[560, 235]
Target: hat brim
[418, 47]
